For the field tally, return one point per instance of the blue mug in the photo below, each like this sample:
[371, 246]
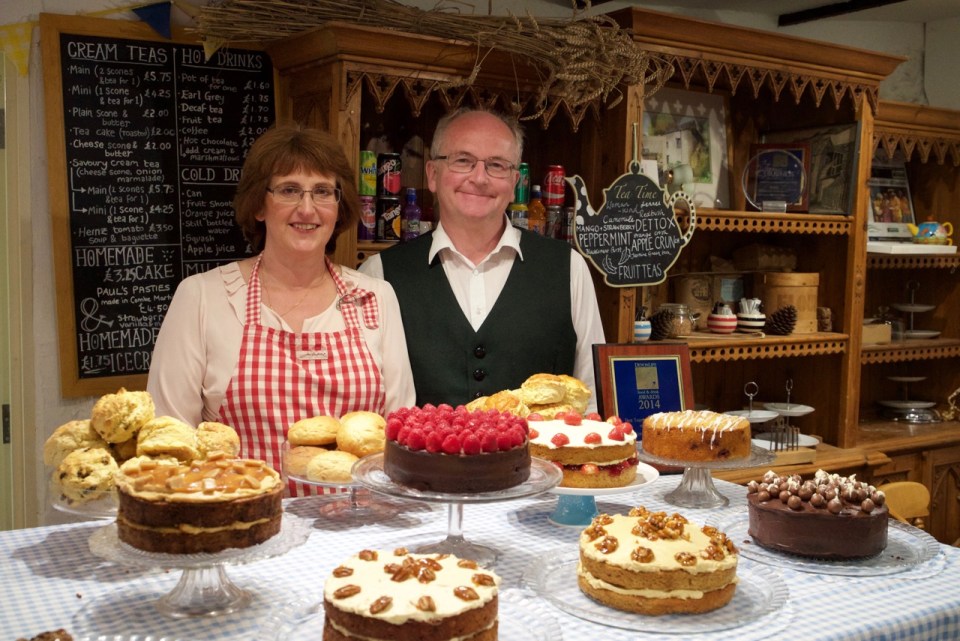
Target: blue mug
[641, 331]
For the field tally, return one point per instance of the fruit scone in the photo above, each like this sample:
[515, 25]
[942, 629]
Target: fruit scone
[591, 452]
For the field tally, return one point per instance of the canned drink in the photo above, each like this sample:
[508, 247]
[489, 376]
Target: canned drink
[521, 192]
[367, 230]
[554, 186]
[518, 215]
[368, 173]
[388, 219]
[555, 222]
[569, 218]
[388, 175]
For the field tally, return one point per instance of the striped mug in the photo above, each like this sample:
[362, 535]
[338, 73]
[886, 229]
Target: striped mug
[641, 331]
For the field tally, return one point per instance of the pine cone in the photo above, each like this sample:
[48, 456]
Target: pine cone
[660, 325]
[782, 321]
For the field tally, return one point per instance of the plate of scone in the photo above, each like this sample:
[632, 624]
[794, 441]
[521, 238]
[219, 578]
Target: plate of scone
[321, 450]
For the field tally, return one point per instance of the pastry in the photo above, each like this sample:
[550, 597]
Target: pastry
[86, 474]
[361, 433]
[317, 430]
[167, 436]
[543, 389]
[217, 437]
[331, 466]
[117, 417]
[69, 437]
[296, 458]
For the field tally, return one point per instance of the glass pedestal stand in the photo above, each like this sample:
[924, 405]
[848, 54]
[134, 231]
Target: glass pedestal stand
[696, 489]
[204, 589]
[368, 471]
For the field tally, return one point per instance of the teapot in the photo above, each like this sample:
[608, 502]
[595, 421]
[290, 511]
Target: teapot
[932, 233]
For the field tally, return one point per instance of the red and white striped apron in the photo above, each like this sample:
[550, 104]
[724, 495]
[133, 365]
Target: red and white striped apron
[283, 376]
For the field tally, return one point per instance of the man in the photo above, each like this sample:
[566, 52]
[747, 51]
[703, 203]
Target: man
[484, 304]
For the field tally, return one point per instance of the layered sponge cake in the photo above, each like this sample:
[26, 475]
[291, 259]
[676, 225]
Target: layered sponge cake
[380, 594]
[590, 452]
[653, 563]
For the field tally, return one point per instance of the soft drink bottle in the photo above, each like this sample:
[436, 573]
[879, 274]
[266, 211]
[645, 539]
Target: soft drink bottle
[411, 216]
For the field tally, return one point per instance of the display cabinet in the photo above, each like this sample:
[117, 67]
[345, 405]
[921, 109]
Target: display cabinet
[364, 83]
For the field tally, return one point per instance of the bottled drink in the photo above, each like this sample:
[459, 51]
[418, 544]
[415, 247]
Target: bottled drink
[536, 212]
[411, 216]
[521, 191]
[518, 215]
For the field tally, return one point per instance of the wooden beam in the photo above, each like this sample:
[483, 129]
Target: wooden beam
[829, 11]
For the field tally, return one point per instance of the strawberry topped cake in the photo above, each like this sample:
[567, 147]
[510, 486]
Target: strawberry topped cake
[591, 452]
[456, 451]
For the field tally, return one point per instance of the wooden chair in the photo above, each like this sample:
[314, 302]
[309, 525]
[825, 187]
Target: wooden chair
[908, 502]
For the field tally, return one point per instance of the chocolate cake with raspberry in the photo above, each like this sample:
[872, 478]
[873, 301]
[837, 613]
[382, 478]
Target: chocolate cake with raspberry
[456, 451]
[592, 453]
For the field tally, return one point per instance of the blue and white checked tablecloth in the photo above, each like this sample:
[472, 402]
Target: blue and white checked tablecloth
[49, 579]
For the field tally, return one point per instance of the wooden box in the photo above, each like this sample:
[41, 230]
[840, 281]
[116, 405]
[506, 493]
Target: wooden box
[778, 290]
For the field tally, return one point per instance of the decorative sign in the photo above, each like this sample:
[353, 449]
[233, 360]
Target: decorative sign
[150, 140]
[634, 238]
[635, 381]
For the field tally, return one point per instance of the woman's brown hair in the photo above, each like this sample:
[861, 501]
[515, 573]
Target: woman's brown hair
[285, 149]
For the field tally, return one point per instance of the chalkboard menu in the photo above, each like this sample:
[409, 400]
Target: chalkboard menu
[152, 137]
[634, 238]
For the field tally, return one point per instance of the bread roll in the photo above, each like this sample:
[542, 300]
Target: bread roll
[362, 433]
[331, 466]
[318, 430]
[69, 437]
[118, 417]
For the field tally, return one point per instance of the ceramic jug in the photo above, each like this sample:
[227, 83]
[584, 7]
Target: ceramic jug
[722, 320]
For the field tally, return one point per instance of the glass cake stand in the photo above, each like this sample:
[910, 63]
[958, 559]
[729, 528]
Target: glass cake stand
[544, 475]
[576, 506]
[696, 489]
[101, 509]
[204, 588]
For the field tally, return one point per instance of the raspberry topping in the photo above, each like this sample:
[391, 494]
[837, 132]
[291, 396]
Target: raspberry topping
[455, 431]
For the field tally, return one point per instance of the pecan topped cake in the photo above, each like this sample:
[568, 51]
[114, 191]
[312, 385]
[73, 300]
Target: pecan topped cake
[379, 594]
[203, 506]
[652, 563]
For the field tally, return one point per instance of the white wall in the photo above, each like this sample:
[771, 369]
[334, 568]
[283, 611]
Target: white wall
[913, 82]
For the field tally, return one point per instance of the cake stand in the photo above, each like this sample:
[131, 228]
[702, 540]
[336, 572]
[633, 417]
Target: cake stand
[696, 489]
[576, 506]
[204, 588]
[101, 509]
[544, 475]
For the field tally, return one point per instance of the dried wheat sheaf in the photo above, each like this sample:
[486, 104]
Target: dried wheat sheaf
[580, 60]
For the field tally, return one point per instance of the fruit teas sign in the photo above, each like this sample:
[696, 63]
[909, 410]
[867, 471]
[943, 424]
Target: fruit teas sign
[634, 238]
[153, 138]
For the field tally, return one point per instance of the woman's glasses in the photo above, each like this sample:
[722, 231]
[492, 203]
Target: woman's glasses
[292, 194]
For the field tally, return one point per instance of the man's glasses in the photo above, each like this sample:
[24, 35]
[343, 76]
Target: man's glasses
[292, 194]
[464, 164]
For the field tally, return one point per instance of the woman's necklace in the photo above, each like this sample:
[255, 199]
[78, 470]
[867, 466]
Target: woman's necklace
[306, 292]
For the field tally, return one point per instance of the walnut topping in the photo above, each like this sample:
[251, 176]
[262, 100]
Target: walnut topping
[368, 555]
[467, 563]
[483, 579]
[466, 593]
[642, 554]
[638, 511]
[608, 544]
[346, 591]
[426, 575]
[685, 559]
[391, 568]
[342, 571]
[400, 552]
[603, 519]
[426, 604]
[713, 552]
[433, 564]
[595, 531]
[380, 605]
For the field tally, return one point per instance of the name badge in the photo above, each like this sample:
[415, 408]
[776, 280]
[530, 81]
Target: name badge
[312, 354]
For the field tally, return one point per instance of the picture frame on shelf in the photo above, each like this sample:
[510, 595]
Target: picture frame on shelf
[634, 380]
[778, 173]
[833, 163]
[891, 204]
[686, 133]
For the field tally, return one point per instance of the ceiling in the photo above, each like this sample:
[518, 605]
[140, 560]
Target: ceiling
[898, 11]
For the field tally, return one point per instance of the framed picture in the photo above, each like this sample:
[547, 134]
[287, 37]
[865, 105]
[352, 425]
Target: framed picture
[833, 163]
[891, 206]
[686, 133]
[778, 172]
[635, 380]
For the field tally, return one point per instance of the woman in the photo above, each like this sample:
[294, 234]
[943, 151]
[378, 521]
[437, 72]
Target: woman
[285, 335]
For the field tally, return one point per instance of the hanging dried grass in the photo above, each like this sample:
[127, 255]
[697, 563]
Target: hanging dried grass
[580, 60]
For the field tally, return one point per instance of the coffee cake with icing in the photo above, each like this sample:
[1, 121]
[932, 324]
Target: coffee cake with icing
[652, 563]
[397, 595]
[696, 436]
[202, 507]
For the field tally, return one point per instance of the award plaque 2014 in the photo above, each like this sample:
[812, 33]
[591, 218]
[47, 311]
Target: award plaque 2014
[634, 381]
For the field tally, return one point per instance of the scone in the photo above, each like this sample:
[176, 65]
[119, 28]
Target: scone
[217, 437]
[167, 436]
[543, 389]
[86, 474]
[318, 431]
[118, 417]
[362, 433]
[331, 466]
[575, 392]
[295, 460]
[550, 411]
[124, 451]
[69, 437]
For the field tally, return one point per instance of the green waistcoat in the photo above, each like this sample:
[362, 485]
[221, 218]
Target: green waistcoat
[528, 330]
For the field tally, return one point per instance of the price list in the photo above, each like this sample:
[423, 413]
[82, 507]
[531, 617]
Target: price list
[155, 140]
